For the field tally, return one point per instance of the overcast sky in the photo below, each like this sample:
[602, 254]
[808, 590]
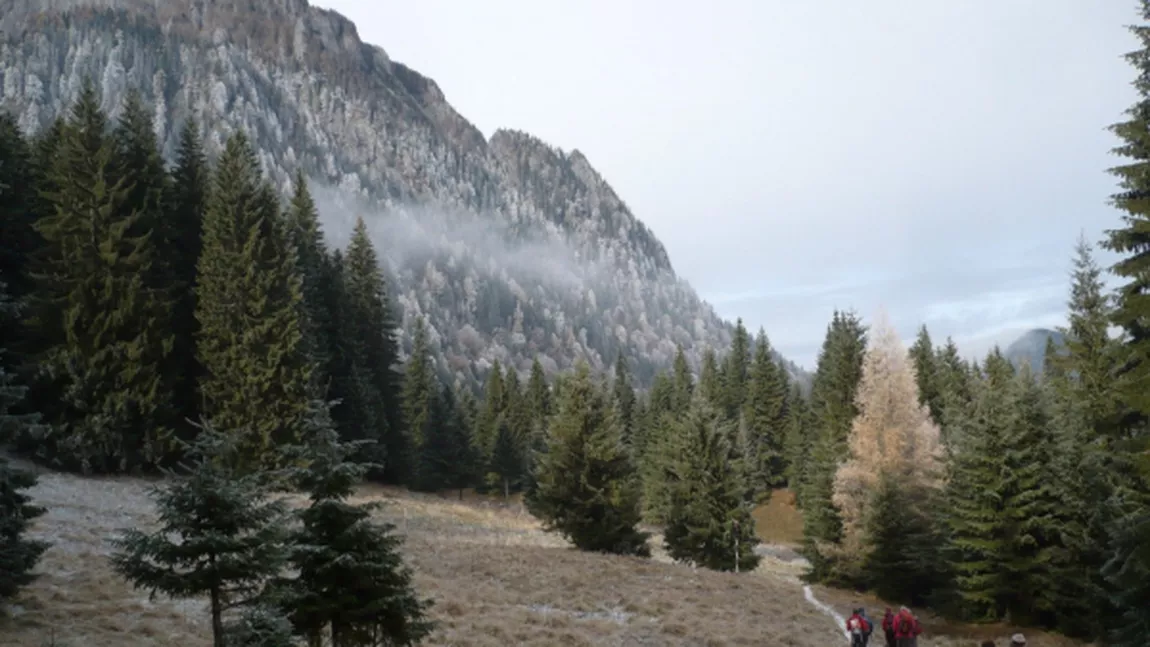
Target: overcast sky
[935, 158]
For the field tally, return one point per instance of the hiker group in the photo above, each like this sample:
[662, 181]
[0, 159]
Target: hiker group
[900, 629]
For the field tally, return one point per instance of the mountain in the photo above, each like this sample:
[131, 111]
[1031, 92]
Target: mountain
[1031, 347]
[509, 247]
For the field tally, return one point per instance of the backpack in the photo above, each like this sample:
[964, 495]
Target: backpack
[856, 625]
[905, 624]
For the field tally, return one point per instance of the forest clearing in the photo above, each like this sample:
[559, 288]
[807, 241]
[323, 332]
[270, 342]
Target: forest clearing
[495, 577]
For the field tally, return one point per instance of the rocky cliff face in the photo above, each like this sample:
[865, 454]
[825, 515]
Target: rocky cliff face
[510, 248]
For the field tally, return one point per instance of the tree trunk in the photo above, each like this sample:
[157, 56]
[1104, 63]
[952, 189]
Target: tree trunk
[217, 619]
[460, 494]
[506, 489]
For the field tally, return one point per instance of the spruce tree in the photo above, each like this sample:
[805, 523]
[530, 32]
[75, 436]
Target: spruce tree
[371, 317]
[218, 536]
[711, 386]
[764, 418]
[624, 398]
[357, 409]
[448, 460]
[709, 522]
[1032, 503]
[505, 468]
[954, 387]
[138, 162]
[306, 238]
[833, 402]
[538, 393]
[798, 438]
[683, 381]
[17, 215]
[419, 394]
[187, 194]
[248, 307]
[487, 423]
[926, 371]
[902, 560]
[352, 587]
[18, 554]
[735, 370]
[1127, 566]
[106, 325]
[585, 482]
[976, 510]
[30, 338]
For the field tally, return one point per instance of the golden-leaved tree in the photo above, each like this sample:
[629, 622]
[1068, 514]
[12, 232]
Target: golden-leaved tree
[894, 444]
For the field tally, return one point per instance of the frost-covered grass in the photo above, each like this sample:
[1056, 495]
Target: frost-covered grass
[495, 576]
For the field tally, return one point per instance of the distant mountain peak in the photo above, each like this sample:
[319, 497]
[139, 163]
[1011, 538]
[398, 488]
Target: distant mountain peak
[1030, 347]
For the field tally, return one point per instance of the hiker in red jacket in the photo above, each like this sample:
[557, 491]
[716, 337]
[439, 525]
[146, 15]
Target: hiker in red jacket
[906, 628]
[888, 627]
[859, 628]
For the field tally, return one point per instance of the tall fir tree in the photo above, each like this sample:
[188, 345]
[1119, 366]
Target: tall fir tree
[357, 404]
[1128, 566]
[538, 392]
[139, 164]
[902, 559]
[256, 375]
[709, 522]
[624, 393]
[107, 324]
[490, 413]
[711, 379]
[926, 372]
[683, 381]
[420, 391]
[976, 511]
[374, 322]
[585, 480]
[735, 371]
[833, 402]
[18, 554]
[798, 438]
[187, 195]
[954, 385]
[448, 461]
[18, 238]
[305, 236]
[764, 418]
[1032, 503]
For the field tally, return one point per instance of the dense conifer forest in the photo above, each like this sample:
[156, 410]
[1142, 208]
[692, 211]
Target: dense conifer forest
[185, 318]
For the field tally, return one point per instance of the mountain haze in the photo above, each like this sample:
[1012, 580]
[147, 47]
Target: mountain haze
[1030, 347]
[509, 247]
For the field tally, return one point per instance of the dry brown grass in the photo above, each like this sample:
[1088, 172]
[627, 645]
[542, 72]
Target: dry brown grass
[495, 576]
[777, 521]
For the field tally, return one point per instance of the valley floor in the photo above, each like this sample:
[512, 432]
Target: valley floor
[495, 576]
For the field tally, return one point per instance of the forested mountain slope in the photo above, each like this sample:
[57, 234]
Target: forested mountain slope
[510, 248]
